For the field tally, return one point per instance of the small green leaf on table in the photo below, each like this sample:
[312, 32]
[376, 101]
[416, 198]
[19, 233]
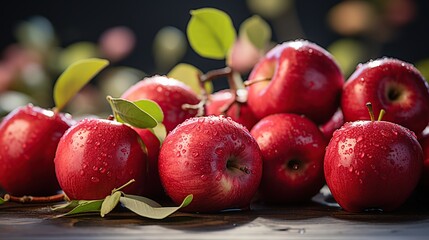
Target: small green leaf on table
[211, 33]
[109, 203]
[144, 209]
[84, 207]
[74, 78]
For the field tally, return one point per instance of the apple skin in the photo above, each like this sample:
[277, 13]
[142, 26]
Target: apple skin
[336, 121]
[213, 158]
[389, 84]
[372, 165]
[170, 94]
[96, 155]
[288, 141]
[152, 188]
[29, 136]
[305, 79]
[424, 142]
[239, 112]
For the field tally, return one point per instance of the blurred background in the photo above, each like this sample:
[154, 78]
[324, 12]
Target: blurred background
[39, 39]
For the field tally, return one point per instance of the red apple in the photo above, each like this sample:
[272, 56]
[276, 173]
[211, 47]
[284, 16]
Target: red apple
[95, 156]
[239, 112]
[336, 121]
[388, 84]
[213, 158]
[372, 165]
[28, 140]
[170, 94]
[292, 149]
[296, 77]
[424, 142]
[152, 185]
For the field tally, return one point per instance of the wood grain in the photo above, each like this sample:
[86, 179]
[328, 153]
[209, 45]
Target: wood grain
[307, 221]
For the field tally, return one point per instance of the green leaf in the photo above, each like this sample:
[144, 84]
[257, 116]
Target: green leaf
[71, 204]
[109, 203]
[128, 112]
[160, 132]
[2, 200]
[257, 31]
[211, 33]
[145, 210]
[152, 108]
[74, 78]
[148, 201]
[84, 207]
[188, 74]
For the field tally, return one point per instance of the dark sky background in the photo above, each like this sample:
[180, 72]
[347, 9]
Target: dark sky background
[80, 20]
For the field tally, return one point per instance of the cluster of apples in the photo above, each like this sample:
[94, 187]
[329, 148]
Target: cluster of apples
[280, 145]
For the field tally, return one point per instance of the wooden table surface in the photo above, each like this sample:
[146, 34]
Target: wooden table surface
[313, 220]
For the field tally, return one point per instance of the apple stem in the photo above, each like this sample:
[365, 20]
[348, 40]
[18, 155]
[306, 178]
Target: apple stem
[233, 164]
[381, 115]
[123, 186]
[31, 199]
[253, 81]
[371, 111]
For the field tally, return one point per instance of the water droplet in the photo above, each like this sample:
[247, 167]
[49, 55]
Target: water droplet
[80, 137]
[373, 166]
[211, 121]
[180, 146]
[81, 172]
[342, 147]
[186, 163]
[203, 177]
[95, 168]
[124, 150]
[102, 170]
[183, 151]
[384, 133]
[219, 151]
[109, 174]
[195, 154]
[104, 163]
[233, 137]
[218, 176]
[84, 166]
[97, 144]
[201, 120]
[178, 154]
[95, 179]
[350, 169]
[360, 138]
[159, 89]
[362, 155]
[360, 181]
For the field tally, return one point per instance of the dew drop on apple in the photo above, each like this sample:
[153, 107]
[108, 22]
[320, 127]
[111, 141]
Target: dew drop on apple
[362, 155]
[203, 177]
[95, 179]
[219, 151]
[109, 174]
[84, 166]
[183, 151]
[95, 168]
[81, 172]
[195, 154]
[178, 154]
[351, 169]
[201, 120]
